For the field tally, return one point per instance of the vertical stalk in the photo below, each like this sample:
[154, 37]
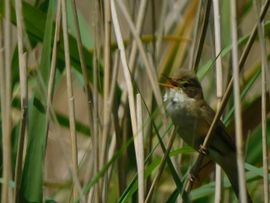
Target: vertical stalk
[139, 23]
[139, 149]
[263, 103]
[149, 67]
[95, 194]
[83, 65]
[202, 35]
[161, 167]
[106, 86]
[53, 67]
[126, 69]
[131, 63]
[71, 104]
[113, 143]
[195, 37]
[219, 91]
[237, 103]
[7, 112]
[24, 99]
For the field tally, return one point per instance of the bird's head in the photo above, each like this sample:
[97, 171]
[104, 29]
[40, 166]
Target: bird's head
[185, 84]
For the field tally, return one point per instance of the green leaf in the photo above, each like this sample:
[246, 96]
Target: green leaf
[35, 22]
[105, 168]
[179, 183]
[209, 189]
[203, 69]
[254, 155]
[61, 118]
[87, 38]
[32, 177]
[244, 92]
[182, 150]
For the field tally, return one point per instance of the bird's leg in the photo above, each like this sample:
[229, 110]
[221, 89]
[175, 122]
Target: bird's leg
[194, 170]
[203, 150]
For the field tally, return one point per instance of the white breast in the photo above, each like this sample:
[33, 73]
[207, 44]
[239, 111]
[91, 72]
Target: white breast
[180, 108]
[176, 99]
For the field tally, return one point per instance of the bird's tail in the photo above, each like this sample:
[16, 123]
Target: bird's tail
[232, 174]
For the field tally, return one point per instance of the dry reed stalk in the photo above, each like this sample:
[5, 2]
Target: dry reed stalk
[149, 69]
[2, 85]
[219, 92]
[139, 150]
[227, 92]
[263, 104]
[202, 34]
[2, 77]
[111, 148]
[134, 48]
[6, 190]
[195, 37]
[53, 67]
[24, 99]
[126, 69]
[106, 92]
[139, 24]
[180, 29]
[161, 168]
[71, 106]
[83, 65]
[106, 85]
[131, 62]
[114, 141]
[94, 194]
[237, 104]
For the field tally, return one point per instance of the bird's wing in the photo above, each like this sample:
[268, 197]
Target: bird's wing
[208, 113]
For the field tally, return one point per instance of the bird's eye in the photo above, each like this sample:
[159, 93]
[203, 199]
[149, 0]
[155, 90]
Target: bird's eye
[185, 84]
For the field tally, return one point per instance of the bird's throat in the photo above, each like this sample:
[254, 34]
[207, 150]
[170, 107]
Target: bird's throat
[178, 97]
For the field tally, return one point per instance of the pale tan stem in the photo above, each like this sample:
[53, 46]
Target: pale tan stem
[237, 104]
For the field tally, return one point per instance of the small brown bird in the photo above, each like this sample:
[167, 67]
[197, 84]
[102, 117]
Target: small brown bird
[192, 117]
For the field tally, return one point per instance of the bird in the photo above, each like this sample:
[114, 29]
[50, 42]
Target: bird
[192, 117]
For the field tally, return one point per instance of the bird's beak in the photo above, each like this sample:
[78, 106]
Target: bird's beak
[167, 85]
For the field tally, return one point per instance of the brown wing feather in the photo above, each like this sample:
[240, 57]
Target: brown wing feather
[208, 115]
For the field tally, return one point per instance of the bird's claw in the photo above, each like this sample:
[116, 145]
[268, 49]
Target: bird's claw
[203, 150]
[192, 178]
